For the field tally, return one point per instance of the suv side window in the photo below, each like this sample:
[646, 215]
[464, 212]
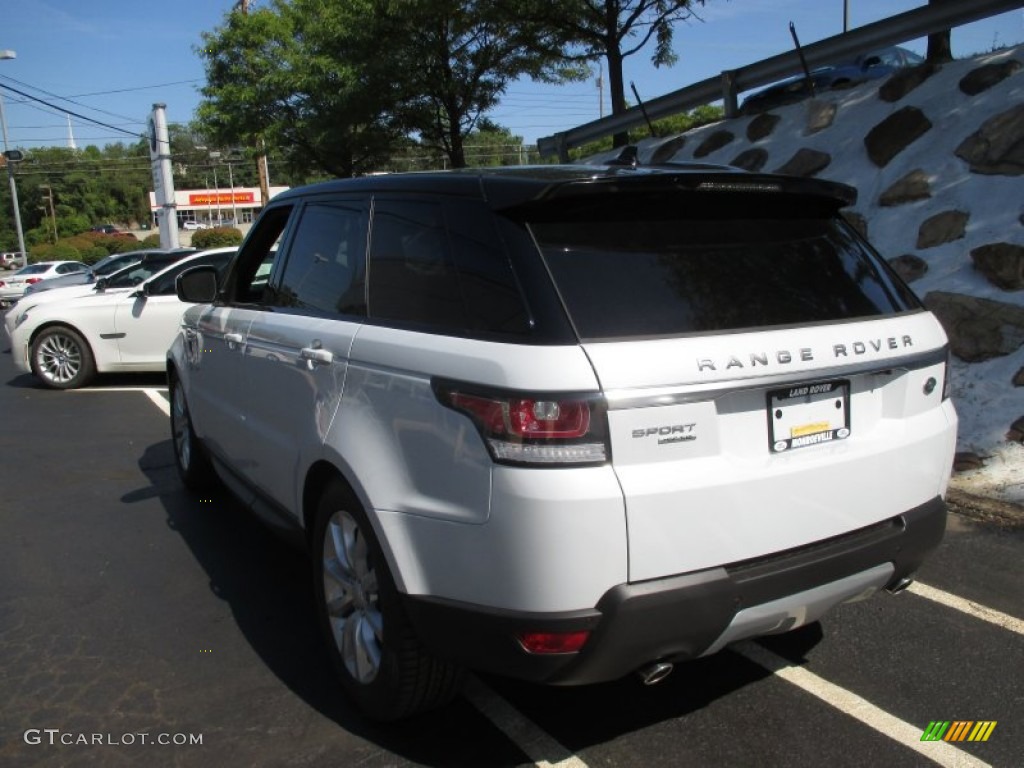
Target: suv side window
[412, 278]
[326, 265]
[249, 277]
[442, 266]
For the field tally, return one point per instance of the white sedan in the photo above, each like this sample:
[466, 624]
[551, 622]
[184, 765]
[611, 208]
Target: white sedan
[12, 288]
[66, 343]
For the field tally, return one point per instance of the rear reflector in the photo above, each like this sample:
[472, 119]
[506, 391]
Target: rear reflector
[553, 642]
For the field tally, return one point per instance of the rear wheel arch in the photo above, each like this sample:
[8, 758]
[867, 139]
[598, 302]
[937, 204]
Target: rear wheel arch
[318, 478]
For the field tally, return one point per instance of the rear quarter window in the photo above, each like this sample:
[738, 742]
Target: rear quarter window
[440, 265]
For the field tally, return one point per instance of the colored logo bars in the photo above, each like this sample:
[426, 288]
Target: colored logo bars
[958, 730]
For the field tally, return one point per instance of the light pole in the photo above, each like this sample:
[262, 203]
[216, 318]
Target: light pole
[214, 156]
[11, 156]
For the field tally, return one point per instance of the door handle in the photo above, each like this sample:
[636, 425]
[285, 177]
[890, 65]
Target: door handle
[316, 355]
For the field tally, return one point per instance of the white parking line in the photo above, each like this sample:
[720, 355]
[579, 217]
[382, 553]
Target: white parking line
[969, 607]
[940, 752]
[156, 395]
[539, 746]
[93, 390]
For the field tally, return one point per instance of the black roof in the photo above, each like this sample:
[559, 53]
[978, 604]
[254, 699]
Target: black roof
[508, 186]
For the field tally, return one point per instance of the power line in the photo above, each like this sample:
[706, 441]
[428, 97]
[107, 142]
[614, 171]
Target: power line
[129, 90]
[68, 111]
[64, 98]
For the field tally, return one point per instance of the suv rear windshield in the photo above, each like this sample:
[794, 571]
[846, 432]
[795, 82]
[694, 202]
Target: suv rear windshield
[670, 268]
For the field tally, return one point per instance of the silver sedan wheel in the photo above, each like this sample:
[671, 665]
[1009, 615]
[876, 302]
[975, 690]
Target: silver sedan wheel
[181, 429]
[352, 594]
[58, 358]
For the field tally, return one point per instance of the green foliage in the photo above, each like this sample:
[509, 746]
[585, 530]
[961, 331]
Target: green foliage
[81, 188]
[65, 251]
[669, 126]
[217, 237]
[308, 77]
[150, 241]
[87, 247]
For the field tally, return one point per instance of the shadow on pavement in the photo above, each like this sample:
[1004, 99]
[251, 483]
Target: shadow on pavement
[267, 585]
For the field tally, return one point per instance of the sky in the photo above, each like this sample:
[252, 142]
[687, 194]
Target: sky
[111, 60]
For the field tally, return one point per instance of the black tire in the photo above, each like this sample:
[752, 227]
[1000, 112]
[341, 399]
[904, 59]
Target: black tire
[381, 664]
[62, 359]
[190, 457]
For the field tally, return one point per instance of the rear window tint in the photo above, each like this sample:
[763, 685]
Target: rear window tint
[655, 275]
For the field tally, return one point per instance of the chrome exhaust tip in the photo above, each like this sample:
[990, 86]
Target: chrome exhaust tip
[899, 585]
[655, 673]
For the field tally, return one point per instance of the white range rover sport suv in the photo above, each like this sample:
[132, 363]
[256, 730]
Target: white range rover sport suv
[566, 423]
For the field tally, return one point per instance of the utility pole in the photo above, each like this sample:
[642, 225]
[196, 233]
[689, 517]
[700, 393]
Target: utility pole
[48, 197]
[12, 156]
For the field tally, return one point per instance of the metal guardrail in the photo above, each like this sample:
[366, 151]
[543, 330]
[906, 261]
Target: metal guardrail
[896, 29]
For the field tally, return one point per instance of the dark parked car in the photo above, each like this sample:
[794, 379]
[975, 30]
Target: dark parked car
[102, 268]
[867, 66]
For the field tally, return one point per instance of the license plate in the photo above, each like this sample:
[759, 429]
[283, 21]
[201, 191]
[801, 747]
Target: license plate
[808, 414]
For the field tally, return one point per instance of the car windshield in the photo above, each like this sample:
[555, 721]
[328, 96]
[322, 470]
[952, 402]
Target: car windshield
[33, 269]
[131, 276]
[163, 283]
[112, 264]
[109, 268]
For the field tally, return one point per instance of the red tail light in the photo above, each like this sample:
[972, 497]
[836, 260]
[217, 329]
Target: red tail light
[533, 429]
[33, 280]
[526, 418]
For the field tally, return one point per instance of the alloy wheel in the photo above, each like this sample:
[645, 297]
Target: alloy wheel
[351, 593]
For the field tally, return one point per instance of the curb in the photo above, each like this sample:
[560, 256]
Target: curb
[984, 509]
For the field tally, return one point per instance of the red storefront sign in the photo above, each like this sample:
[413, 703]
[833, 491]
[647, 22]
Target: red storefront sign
[220, 198]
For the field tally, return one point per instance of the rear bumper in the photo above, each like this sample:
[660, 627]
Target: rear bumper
[688, 615]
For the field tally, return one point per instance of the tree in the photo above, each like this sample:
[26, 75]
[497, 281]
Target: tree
[457, 58]
[613, 30]
[309, 76]
[303, 76]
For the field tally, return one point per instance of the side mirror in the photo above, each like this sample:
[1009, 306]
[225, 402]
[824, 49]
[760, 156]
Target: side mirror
[197, 285]
[101, 285]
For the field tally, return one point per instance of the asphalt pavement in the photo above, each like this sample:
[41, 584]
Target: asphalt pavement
[142, 626]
